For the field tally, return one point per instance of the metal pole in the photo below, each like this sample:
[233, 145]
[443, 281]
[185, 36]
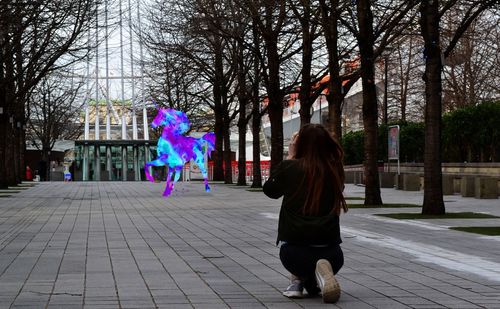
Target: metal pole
[96, 120]
[108, 109]
[97, 159]
[108, 124]
[85, 165]
[144, 111]
[134, 117]
[385, 90]
[124, 124]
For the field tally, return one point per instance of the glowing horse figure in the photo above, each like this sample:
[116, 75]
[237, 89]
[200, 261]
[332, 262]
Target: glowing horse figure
[174, 149]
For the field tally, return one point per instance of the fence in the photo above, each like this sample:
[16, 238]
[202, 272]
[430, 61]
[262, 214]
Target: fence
[265, 170]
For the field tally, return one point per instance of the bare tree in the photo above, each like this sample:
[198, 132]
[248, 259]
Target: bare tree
[53, 113]
[34, 36]
[196, 34]
[435, 50]
[272, 22]
[376, 28]
[473, 67]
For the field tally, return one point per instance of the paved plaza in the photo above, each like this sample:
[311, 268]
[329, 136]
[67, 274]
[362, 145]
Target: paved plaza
[122, 245]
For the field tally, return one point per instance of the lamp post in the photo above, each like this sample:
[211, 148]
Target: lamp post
[385, 87]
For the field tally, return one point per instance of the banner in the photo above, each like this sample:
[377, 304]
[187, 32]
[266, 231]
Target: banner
[393, 143]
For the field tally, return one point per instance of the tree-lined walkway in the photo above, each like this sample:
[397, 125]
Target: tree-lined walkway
[114, 244]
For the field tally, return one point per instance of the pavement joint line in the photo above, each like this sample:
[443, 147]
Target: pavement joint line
[208, 258]
[425, 253]
[417, 223]
[433, 254]
[168, 238]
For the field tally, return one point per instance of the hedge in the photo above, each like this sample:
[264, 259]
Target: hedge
[471, 134]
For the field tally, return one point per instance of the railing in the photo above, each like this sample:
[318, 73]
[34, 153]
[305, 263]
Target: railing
[265, 170]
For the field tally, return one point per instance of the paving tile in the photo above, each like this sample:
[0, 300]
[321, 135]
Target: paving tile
[128, 246]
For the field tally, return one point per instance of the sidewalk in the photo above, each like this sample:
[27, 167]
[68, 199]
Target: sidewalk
[122, 245]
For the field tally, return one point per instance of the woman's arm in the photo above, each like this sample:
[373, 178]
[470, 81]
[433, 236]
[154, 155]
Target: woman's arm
[275, 185]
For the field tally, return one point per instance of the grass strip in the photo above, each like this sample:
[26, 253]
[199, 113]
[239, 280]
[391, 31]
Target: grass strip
[9, 191]
[353, 198]
[483, 230]
[387, 205]
[450, 215]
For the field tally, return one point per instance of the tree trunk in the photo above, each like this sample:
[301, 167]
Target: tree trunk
[4, 123]
[242, 165]
[228, 175]
[275, 104]
[429, 26]
[242, 121]
[257, 173]
[305, 97]
[219, 147]
[219, 113]
[370, 107]
[329, 15]
[256, 116]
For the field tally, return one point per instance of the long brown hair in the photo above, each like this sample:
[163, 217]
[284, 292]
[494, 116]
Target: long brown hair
[321, 156]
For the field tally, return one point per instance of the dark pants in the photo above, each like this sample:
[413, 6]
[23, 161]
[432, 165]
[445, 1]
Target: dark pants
[301, 262]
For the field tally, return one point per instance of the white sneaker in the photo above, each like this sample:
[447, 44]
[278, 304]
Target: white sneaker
[294, 290]
[330, 288]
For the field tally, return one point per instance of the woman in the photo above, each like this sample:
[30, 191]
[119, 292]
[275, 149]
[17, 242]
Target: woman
[308, 230]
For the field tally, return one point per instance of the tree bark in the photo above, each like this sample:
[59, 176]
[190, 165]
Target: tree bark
[275, 110]
[228, 175]
[305, 96]
[329, 15]
[219, 114]
[429, 26]
[257, 173]
[366, 42]
[242, 122]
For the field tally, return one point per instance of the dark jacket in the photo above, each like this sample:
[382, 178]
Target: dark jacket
[288, 180]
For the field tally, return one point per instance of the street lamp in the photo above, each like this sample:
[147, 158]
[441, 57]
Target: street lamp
[385, 89]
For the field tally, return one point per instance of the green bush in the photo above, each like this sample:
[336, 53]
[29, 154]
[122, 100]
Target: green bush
[352, 143]
[471, 134]
[411, 137]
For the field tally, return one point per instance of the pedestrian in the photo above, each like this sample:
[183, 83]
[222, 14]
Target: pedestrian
[312, 185]
[29, 175]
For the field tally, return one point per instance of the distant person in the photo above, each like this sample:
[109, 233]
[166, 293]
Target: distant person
[311, 184]
[29, 174]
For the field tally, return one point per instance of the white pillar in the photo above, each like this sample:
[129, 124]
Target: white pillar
[108, 110]
[96, 112]
[144, 111]
[124, 124]
[134, 117]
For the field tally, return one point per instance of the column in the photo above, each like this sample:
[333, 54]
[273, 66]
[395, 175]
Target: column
[85, 167]
[137, 175]
[124, 163]
[97, 165]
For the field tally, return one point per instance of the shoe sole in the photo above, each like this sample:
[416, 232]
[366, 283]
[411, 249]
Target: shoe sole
[293, 294]
[330, 288]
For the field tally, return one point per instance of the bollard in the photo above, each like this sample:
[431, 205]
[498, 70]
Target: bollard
[467, 186]
[411, 182]
[486, 188]
[448, 185]
[386, 179]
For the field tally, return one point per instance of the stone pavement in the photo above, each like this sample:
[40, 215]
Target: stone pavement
[122, 245]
